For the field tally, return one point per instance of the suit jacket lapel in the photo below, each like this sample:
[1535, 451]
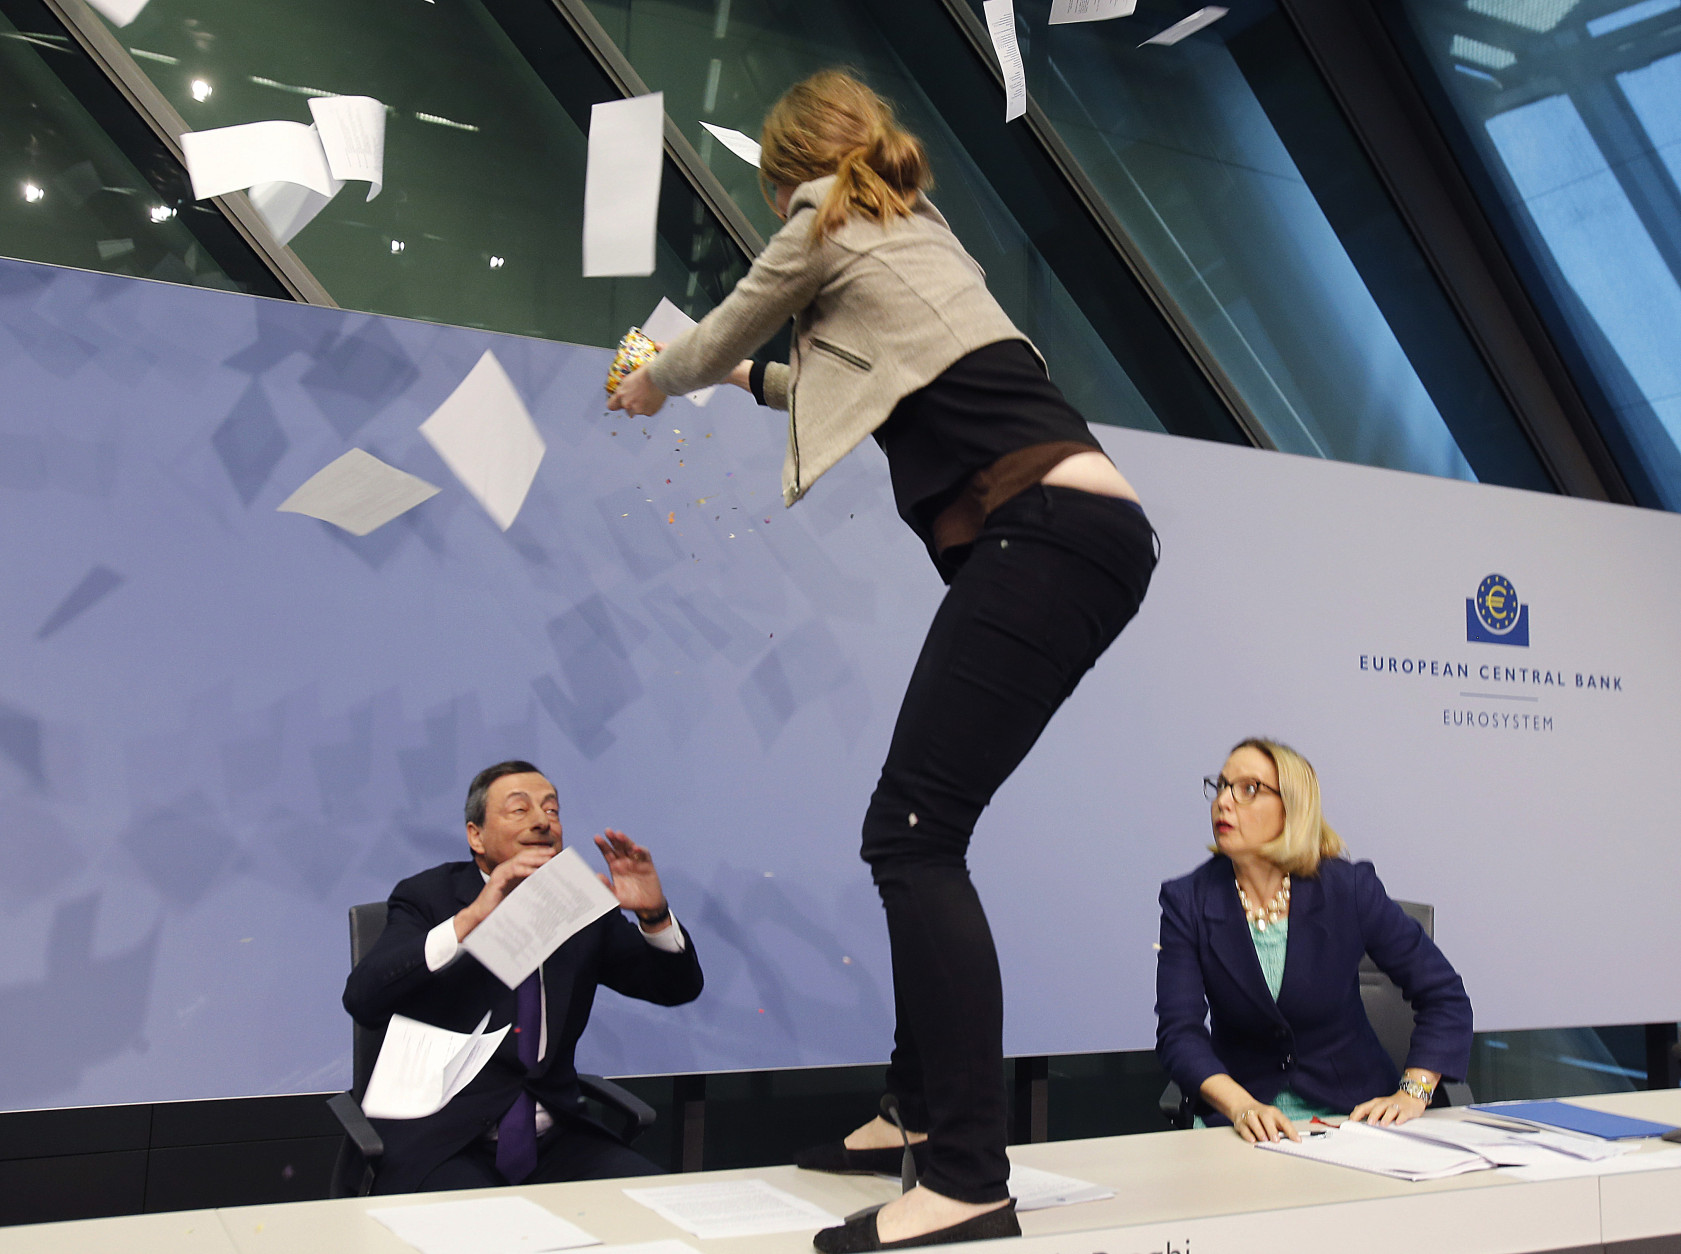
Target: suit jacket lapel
[1228, 937]
[467, 884]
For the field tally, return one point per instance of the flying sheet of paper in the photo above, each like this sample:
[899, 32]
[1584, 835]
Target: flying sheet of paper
[1001, 23]
[358, 492]
[1064, 11]
[554, 902]
[486, 437]
[1035, 1190]
[231, 158]
[292, 170]
[1186, 27]
[420, 1068]
[622, 185]
[743, 146]
[489, 1225]
[352, 134]
[118, 12]
[733, 1208]
[287, 207]
[667, 322]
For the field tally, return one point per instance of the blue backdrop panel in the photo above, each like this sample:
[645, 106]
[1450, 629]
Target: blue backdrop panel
[221, 725]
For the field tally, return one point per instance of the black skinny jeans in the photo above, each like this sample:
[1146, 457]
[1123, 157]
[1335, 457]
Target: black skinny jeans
[1053, 577]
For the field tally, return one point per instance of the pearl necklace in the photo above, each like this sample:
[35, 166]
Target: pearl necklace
[1272, 912]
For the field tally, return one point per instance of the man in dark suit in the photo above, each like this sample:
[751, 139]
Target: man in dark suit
[522, 1118]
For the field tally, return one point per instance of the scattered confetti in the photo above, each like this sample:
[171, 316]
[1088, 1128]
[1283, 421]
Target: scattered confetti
[671, 518]
[846, 962]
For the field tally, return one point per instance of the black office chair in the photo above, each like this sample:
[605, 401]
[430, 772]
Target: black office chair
[358, 1157]
[1392, 1019]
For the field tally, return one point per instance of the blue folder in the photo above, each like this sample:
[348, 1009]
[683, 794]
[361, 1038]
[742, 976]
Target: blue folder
[1576, 1119]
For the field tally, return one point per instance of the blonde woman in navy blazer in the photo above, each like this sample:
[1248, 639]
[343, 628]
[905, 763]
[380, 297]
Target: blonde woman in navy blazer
[1262, 1051]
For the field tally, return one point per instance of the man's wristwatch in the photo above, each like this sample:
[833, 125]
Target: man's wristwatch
[653, 918]
[1411, 1087]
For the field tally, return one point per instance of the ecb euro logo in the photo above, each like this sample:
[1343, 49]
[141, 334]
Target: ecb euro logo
[1495, 615]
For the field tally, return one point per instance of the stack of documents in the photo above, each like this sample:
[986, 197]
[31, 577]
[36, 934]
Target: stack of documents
[1385, 1151]
[1429, 1149]
[1510, 1147]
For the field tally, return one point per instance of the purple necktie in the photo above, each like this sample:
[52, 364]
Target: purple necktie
[516, 1137]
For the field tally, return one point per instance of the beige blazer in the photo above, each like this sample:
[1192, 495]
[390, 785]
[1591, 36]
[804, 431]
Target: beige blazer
[879, 311]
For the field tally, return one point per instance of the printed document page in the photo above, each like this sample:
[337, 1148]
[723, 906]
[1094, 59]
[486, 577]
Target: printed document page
[489, 1225]
[1034, 1189]
[733, 1208]
[1064, 11]
[622, 185]
[357, 492]
[743, 146]
[1001, 25]
[553, 903]
[485, 435]
[421, 1067]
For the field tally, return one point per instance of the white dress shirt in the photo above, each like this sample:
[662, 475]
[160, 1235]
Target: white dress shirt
[442, 948]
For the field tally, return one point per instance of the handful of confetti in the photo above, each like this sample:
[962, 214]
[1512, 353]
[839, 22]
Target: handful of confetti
[635, 351]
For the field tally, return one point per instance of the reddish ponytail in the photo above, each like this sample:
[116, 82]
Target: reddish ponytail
[833, 124]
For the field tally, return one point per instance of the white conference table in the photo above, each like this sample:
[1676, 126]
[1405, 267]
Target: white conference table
[1175, 1192]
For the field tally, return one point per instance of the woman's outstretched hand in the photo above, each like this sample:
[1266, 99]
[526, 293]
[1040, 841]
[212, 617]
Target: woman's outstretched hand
[637, 395]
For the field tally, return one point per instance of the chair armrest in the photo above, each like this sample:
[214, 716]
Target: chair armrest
[638, 1114]
[1174, 1106]
[1456, 1093]
[356, 1126]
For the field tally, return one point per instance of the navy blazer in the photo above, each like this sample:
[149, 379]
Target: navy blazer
[393, 979]
[1315, 1039]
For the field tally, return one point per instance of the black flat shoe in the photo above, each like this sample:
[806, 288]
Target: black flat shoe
[858, 1234]
[833, 1156]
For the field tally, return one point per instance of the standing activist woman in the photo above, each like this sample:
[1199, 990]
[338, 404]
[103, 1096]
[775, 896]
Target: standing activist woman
[1044, 545]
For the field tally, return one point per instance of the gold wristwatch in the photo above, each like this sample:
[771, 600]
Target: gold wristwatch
[1417, 1088]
